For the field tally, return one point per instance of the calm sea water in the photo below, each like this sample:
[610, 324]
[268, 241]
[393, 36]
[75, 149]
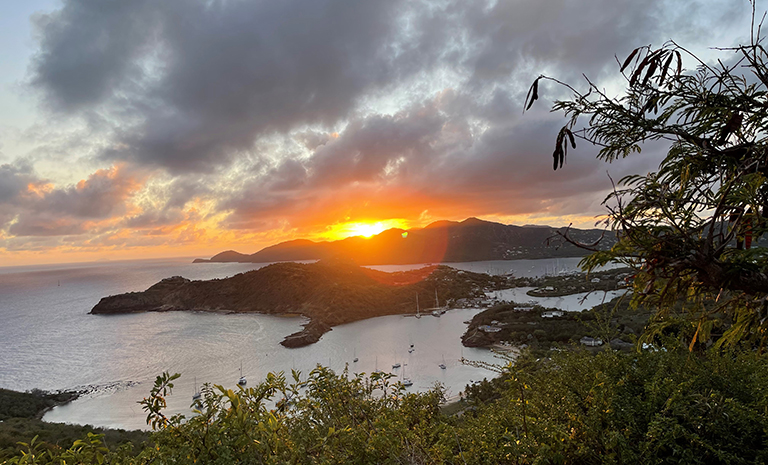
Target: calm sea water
[49, 341]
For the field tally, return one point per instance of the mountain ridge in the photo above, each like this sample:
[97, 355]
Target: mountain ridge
[439, 242]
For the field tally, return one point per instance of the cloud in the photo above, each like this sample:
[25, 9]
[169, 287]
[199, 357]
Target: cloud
[14, 179]
[189, 85]
[43, 210]
[298, 114]
[204, 79]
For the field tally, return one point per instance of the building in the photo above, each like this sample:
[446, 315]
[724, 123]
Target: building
[489, 329]
[552, 313]
[591, 342]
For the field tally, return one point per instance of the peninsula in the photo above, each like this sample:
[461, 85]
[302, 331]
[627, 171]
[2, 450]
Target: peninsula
[329, 293]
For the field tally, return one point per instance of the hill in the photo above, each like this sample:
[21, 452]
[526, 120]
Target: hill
[439, 242]
[329, 293]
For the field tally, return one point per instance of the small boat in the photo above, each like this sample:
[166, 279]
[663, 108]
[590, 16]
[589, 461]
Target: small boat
[396, 365]
[196, 396]
[406, 381]
[437, 311]
[242, 381]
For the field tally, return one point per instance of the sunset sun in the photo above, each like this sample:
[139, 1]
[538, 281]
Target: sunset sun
[366, 229]
[363, 228]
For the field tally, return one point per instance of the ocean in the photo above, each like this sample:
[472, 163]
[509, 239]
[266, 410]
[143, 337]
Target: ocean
[49, 341]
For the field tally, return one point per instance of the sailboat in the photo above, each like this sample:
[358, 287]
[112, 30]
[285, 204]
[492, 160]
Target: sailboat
[376, 369]
[196, 396]
[442, 365]
[355, 355]
[418, 315]
[437, 311]
[242, 381]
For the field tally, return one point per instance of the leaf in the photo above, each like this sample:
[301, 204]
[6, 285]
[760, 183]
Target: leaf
[651, 69]
[629, 59]
[665, 68]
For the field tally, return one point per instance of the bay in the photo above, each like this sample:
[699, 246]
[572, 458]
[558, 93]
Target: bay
[49, 341]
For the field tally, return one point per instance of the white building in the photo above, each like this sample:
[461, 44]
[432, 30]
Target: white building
[591, 342]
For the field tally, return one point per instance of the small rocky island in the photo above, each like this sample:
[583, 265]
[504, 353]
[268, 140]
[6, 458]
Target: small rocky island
[329, 293]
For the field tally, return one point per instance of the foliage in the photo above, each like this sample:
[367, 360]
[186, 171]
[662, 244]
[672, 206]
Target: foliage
[19, 423]
[31, 404]
[650, 407]
[59, 436]
[324, 418]
[570, 407]
[687, 228]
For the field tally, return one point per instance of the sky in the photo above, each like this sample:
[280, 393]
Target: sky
[145, 128]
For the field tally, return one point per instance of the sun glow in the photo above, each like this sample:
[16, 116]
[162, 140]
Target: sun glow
[367, 230]
[363, 228]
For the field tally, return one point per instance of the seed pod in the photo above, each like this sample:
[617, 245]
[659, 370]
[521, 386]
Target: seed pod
[533, 94]
[570, 136]
[555, 155]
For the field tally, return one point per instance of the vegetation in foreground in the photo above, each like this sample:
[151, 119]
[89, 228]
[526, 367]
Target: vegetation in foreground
[661, 406]
[20, 422]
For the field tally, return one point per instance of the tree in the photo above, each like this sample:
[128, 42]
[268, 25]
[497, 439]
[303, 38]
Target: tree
[687, 229]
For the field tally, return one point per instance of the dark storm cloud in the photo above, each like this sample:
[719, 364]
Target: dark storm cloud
[88, 50]
[222, 73]
[205, 79]
[195, 87]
